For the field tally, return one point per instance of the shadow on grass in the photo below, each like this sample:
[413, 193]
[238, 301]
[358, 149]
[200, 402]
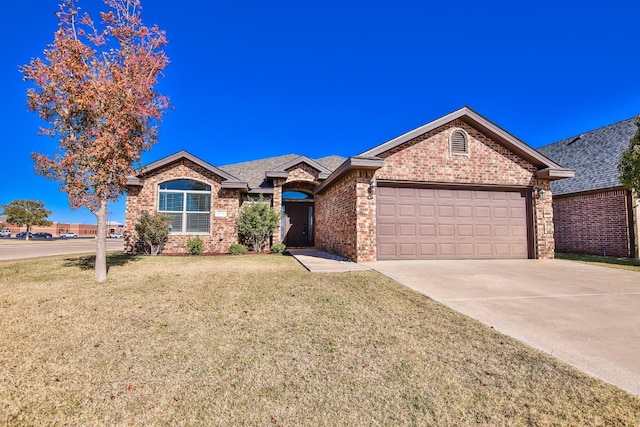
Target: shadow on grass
[612, 261]
[114, 259]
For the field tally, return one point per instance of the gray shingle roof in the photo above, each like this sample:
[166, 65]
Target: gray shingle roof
[254, 172]
[594, 155]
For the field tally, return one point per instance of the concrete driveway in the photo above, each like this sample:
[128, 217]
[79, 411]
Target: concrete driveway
[585, 315]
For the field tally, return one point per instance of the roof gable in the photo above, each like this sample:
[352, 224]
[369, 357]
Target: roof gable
[484, 125]
[229, 181]
[594, 155]
[282, 170]
[255, 172]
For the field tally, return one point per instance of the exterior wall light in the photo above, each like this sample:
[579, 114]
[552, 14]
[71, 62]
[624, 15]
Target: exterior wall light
[541, 193]
[371, 190]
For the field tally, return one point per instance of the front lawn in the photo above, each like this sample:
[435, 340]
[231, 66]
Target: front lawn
[604, 261]
[258, 340]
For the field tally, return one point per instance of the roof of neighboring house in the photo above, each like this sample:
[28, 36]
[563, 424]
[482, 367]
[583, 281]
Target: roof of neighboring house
[594, 155]
[255, 172]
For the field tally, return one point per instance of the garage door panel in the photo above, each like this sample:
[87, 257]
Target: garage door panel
[406, 210]
[405, 230]
[465, 212]
[482, 212]
[426, 211]
[484, 250]
[426, 193]
[483, 230]
[465, 230]
[465, 250]
[386, 192]
[445, 230]
[407, 249]
[518, 212]
[503, 250]
[518, 231]
[428, 250]
[406, 193]
[427, 230]
[500, 230]
[420, 223]
[500, 213]
[519, 251]
[387, 230]
[386, 249]
[387, 209]
[446, 211]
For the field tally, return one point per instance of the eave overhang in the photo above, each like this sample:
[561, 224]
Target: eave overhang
[555, 174]
[351, 164]
[235, 185]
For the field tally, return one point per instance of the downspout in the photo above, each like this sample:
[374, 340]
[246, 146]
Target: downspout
[633, 213]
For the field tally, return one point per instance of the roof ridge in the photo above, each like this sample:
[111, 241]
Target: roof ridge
[259, 160]
[581, 134]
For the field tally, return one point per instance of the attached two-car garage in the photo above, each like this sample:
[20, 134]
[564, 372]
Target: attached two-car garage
[451, 223]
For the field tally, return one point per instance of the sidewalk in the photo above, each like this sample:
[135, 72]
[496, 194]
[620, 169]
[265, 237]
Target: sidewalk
[321, 262]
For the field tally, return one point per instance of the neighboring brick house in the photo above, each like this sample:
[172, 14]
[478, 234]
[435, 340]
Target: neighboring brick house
[458, 187]
[593, 212]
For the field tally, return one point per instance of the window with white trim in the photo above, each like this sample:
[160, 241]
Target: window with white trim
[458, 142]
[188, 203]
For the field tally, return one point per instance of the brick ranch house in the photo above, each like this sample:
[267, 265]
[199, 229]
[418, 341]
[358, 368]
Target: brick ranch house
[457, 187]
[593, 212]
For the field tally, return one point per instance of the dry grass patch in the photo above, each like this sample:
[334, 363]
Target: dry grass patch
[258, 340]
[603, 261]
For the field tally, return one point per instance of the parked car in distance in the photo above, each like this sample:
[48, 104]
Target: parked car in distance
[42, 235]
[115, 236]
[69, 235]
[23, 235]
[5, 233]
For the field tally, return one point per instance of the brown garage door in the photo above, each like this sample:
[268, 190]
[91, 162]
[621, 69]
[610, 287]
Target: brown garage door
[430, 223]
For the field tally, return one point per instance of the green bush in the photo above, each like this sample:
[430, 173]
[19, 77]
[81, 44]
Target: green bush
[195, 246]
[256, 223]
[278, 248]
[152, 230]
[237, 249]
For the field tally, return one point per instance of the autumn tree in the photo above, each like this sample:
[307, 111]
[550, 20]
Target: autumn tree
[629, 166]
[95, 90]
[26, 213]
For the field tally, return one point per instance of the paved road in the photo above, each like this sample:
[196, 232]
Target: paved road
[585, 315]
[19, 249]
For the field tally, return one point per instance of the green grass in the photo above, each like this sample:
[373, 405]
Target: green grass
[258, 340]
[613, 262]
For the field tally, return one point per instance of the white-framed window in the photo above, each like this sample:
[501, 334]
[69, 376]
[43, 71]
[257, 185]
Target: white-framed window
[188, 203]
[459, 142]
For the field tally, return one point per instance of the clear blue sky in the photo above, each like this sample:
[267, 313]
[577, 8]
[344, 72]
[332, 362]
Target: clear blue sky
[254, 79]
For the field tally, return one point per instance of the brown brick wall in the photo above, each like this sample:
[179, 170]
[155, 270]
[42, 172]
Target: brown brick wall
[596, 223]
[346, 220]
[223, 228]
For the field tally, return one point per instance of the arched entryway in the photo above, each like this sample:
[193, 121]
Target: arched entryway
[297, 218]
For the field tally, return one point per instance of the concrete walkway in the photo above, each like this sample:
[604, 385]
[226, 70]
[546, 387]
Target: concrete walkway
[585, 315]
[321, 262]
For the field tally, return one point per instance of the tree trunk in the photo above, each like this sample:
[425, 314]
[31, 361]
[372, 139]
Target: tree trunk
[101, 244]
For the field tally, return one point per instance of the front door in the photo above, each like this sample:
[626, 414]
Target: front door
[298, 222]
